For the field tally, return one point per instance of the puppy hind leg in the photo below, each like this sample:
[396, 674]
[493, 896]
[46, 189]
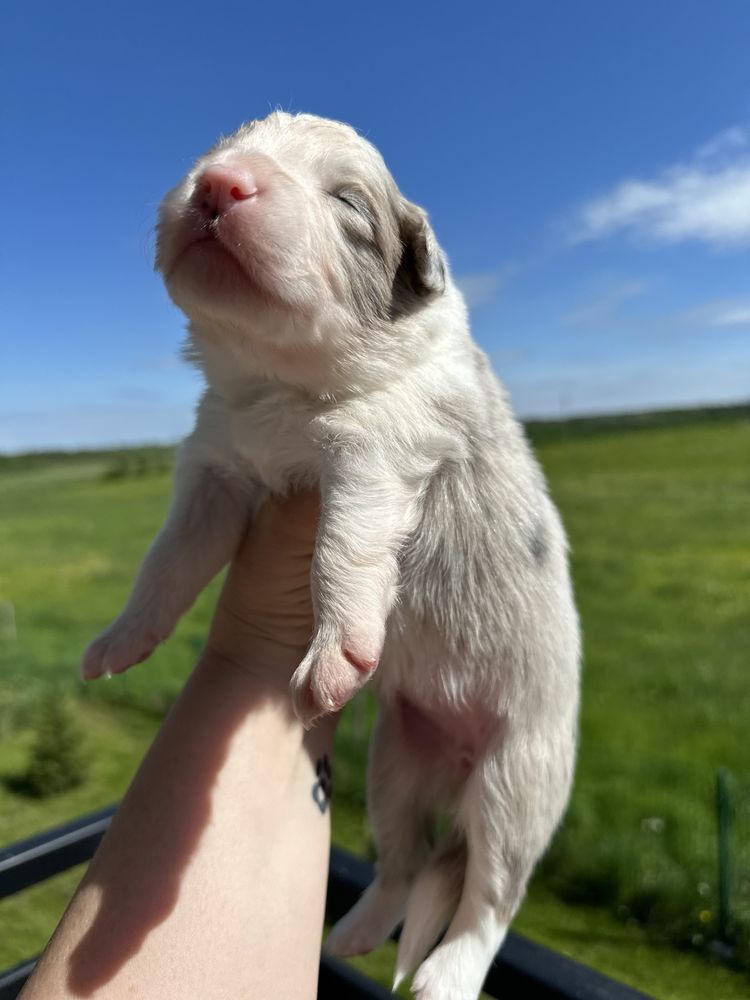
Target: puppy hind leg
[506, 827]
[400, 819]
[431, 905]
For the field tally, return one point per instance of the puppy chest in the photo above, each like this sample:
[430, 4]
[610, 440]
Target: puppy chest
[274, 443]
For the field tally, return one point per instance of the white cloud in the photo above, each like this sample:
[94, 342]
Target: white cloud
[739, 316]
[603, 309]
[718, 313]
[479, 289]
[728, 141]
[705, 199]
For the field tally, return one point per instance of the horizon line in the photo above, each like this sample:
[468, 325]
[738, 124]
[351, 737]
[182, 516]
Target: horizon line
[525, 420]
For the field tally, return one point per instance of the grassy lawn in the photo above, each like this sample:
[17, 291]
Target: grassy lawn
[657, 512]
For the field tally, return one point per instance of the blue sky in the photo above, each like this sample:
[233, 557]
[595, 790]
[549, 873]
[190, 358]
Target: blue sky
[586, 166]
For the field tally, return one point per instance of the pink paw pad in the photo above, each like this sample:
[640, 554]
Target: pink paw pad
[364, 664]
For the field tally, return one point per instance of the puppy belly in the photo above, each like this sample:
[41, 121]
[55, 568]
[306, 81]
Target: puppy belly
[441, 737]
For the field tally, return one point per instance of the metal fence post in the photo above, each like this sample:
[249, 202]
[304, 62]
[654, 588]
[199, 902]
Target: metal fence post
[723, 819]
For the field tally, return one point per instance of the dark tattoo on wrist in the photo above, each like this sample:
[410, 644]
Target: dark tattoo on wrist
[322, 790]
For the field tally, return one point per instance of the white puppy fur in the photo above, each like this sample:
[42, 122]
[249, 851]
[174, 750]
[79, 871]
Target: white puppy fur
[336, 352]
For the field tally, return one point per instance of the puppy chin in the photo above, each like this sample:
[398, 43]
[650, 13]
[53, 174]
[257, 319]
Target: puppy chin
[206, 280]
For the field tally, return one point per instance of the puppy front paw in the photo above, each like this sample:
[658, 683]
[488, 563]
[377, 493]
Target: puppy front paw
[330, 675]
[126, 642]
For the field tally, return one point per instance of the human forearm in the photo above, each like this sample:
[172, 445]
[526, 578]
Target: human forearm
[211, 881]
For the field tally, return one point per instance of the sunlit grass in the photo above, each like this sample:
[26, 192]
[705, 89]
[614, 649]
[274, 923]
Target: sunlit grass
[658, 520]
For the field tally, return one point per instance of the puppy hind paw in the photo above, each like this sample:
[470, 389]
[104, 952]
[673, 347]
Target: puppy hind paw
[370, 921]
[444, 976]
[350, 942]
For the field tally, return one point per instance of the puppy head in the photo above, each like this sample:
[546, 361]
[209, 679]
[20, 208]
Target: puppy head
[293, 230]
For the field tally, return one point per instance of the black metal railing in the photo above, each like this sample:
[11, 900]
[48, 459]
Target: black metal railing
[522, 970]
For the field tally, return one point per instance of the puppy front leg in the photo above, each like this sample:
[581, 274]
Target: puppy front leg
[367, 510]
[203, 528]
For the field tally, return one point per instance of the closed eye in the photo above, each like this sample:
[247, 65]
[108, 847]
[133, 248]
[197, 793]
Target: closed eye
[354, 203]
[347, 200]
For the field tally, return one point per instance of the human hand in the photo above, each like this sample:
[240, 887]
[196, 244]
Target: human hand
[265, 613]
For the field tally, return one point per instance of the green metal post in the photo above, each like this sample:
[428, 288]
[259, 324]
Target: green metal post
[723, 814]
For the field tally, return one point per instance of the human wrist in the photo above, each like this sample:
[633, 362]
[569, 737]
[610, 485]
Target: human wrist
[265, 667]
[254, 648]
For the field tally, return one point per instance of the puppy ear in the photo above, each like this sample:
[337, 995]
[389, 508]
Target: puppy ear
[421, 271]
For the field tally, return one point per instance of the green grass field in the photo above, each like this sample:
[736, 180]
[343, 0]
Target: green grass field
[657, 511]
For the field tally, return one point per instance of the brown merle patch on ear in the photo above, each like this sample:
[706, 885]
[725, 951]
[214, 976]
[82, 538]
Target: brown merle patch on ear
[420, 276]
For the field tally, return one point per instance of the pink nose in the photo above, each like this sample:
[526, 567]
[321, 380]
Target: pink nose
[220, 187]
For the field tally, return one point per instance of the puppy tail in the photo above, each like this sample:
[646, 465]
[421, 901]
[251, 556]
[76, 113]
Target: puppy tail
[430, 906]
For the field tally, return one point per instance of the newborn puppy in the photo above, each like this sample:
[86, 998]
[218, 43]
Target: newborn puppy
[336, 352]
